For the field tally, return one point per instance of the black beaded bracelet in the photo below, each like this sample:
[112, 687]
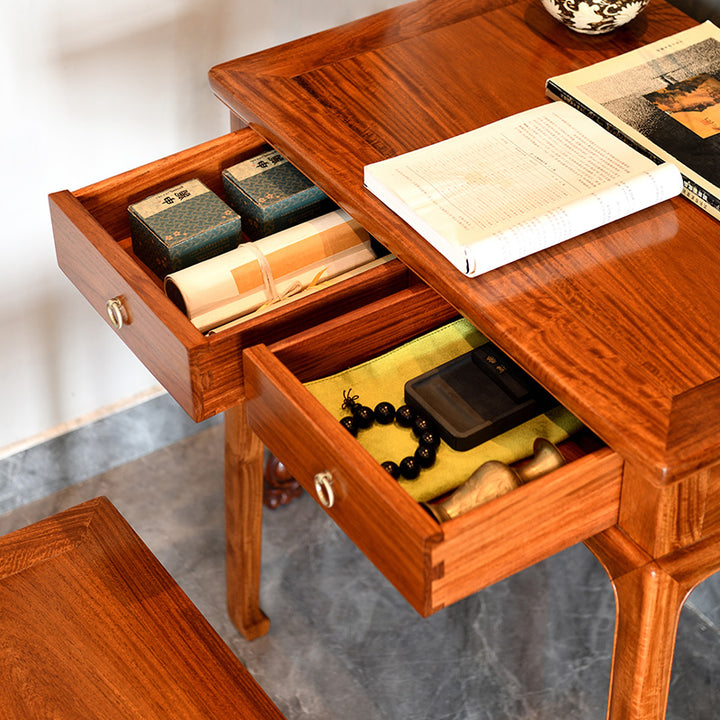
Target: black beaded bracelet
[363, 417]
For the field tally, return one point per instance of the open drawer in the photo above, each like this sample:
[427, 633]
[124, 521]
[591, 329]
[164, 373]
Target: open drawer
[202, 372]
[431, 564]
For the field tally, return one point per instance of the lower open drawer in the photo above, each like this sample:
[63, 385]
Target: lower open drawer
[432, 564]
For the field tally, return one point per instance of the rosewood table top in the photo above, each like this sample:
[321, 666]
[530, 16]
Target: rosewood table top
[619, 324]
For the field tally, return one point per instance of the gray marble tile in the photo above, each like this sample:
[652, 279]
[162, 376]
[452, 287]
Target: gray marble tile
[92, 449]
[705, 601]
[344, 645]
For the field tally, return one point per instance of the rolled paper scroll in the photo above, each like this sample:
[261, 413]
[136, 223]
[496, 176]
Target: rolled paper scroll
[259, 273]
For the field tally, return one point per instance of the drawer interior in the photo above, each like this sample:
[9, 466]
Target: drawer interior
[382, 378]
[431, 563]
[108, 201]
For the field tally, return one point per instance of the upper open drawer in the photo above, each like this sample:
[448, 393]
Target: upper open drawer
[432, 564]
[203, 372]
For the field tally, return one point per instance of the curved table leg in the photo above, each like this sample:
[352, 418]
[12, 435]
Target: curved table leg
[243, 524]
[648, 603]
[649, 595]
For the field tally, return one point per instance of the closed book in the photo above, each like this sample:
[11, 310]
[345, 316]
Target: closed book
[181, 226]
[270, 194]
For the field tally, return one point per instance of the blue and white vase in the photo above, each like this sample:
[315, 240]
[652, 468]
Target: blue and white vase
[594, 17]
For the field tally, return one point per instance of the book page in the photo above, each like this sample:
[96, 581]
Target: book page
[524, 175]
[494, 180]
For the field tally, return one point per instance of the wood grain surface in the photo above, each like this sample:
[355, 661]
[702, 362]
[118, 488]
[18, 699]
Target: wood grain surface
[92, 626]
[619, 324]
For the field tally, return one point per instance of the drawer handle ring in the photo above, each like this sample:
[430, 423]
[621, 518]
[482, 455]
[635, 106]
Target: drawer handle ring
[324, 489]
[114, 308]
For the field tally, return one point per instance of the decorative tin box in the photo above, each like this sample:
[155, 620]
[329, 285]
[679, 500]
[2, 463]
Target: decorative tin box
[182, 226]
[270, 194]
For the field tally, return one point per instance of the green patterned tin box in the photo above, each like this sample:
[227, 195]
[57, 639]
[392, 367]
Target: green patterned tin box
[182, 226]
[270, 194]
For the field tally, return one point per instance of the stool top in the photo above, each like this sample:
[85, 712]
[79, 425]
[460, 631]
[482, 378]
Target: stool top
[92, 625]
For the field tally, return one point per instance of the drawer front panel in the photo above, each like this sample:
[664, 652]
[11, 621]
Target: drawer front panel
[377, 516]
[102, 270]
[528, 525]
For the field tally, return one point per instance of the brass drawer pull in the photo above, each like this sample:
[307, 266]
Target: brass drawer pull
[114, 308]
[324, 489]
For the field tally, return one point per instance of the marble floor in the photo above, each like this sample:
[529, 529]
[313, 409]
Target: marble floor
[343, 645]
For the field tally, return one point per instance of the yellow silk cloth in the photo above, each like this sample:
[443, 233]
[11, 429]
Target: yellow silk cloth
[384, 378]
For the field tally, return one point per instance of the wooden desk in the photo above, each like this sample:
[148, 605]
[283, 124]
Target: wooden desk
[619, 324]
[92, 625]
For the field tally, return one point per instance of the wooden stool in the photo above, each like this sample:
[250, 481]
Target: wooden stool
[92, 626]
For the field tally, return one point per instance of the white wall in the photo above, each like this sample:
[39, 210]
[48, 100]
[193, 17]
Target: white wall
[89, 89]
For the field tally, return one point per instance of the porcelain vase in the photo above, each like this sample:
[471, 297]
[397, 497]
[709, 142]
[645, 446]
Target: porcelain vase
[594, 17]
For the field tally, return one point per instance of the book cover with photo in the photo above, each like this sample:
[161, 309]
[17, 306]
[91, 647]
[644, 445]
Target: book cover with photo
[664, 99]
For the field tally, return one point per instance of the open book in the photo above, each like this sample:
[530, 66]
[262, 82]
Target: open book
[524, 183]
[664, 98]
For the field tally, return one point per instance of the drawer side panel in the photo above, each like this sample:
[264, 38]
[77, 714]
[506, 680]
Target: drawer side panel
[101, 270]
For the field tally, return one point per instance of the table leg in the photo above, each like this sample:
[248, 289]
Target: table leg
[243, 524]
[649, 595]
[648, 605]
